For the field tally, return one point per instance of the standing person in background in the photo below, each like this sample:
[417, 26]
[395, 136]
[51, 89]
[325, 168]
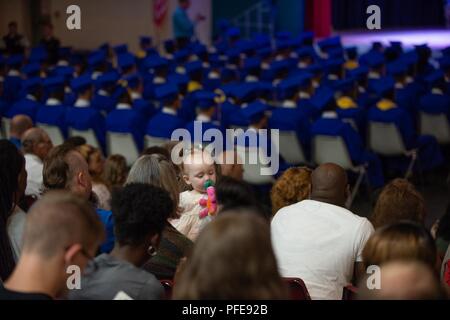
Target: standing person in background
[50, 43]
[15, 43]
[183, 26]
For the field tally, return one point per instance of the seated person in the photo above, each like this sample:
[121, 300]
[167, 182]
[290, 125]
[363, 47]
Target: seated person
[140, 212]
[330, 125]
[387, 111]
[167, 120]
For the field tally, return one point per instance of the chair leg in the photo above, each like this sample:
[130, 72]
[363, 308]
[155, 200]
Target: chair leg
[411, 165]
[362, 174]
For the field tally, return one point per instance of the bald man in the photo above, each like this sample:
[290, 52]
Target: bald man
[62, 234]
[36, 145]
[403, 280]
[320, 241]
[66, 169]
[19, 125]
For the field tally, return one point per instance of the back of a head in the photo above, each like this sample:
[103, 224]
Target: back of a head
[403, 280]
[399, 200]
[329, 184]
[30, 138]
[138, 210]
[292, 187]
[232, 193]
[59, 220]
[402, 241]
[232, 259]
[11, 164]
[75, 141]
[156, 170]
[60, 165]
[115, 171]
[20, 124]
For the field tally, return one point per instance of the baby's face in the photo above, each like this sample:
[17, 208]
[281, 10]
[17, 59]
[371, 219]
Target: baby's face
[198, 169]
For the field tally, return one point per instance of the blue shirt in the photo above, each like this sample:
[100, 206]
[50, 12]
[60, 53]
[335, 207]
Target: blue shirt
[106, 218]
[182, 25]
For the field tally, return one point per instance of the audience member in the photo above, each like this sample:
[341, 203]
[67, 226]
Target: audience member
[232, 193]
[292, 187]
[399, 200]
[66, 169]
[320, 241]
[96, 164]
[61, 231]
[13, 182]
[36, 145]
[115, 171]
[156, 170]
[19, 125]
[232, 259]
[404, 280]
[140, 214]
[401, 241]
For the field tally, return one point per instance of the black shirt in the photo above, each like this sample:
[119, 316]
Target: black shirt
[52, 46]
[14, 44]
[6, 294]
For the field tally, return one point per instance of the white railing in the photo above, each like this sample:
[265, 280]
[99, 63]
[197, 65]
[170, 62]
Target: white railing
[259, 18]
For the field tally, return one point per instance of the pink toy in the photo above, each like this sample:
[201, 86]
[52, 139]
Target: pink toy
[209, 204]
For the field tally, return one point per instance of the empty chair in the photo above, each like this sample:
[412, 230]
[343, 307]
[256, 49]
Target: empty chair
[385, 139]
[290, 148]
[168, 288]
[53, 132]
[256, 165]
[297, 289]
[349, 293]
[88, 135]
[154, 141]
[332, 149]
[124, 144]
[6, 125]
[436, 125]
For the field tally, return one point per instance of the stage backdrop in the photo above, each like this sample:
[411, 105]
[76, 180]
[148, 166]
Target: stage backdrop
[351, 14]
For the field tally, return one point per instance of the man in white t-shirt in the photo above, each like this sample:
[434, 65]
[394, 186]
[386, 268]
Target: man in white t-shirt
[320, 241]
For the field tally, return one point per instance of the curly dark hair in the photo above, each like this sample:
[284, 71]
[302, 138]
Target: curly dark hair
[11, 164]
[139, 210]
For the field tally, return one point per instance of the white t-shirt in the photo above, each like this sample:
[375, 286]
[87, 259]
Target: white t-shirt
[34, 168]
[319, 243]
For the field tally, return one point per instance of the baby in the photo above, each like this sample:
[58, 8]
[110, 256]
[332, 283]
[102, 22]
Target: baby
[199, 171]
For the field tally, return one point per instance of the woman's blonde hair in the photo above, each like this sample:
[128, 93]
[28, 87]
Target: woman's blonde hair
[292, 187]
[115, 171]
[401, 241]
